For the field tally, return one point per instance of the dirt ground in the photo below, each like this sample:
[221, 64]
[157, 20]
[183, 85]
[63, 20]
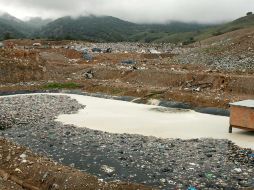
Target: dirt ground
[153, 76]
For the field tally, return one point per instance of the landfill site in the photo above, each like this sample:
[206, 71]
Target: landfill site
[83, 115]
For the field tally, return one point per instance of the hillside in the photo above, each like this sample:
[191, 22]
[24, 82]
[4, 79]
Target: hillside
[37, 22]
[111, 29]
[89, 28]
[188, 33]
[16, 23]
[241, 23]
[11, 27]
[7, 31]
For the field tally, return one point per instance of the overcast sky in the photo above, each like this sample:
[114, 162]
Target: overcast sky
[133, 10]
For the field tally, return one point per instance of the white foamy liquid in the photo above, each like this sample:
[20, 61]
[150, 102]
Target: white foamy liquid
[125, 117]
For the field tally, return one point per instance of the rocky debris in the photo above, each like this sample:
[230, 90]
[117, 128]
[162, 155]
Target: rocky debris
[89, 74]
[107, 169]
[123, 47]
[20, 116]
[87, 56]
[42, 173]
[196, 86]
[226, 54]
[154, 51]
[37, 44]
[108, 50]
[96, 50]
[5, 121]
[162, 163]
[129, 62]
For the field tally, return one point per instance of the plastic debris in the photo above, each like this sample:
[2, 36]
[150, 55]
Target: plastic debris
[129, 62]
[191, 188]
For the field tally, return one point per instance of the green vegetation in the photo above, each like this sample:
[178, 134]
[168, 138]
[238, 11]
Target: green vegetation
[62, 86]
[116, 91]
[111, 29]
[7, 31]
[7, 36]
[16, 28]
[189, 41]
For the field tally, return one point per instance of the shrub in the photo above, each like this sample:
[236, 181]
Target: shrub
[62, 86]
[217, 33]
[189, 41]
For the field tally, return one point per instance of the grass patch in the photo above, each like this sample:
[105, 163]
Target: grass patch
[116, 91]
[69, 85]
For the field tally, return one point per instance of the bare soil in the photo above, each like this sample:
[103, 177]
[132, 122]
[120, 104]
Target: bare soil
[153, 76]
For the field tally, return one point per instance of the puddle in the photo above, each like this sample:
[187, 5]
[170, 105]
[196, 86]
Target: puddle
[125, 117]
[116, 116]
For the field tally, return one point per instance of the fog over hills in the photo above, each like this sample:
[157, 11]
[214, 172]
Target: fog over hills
[112, 29]
[137, 11]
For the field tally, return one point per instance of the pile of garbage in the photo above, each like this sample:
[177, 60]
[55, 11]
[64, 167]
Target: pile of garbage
[123, 47]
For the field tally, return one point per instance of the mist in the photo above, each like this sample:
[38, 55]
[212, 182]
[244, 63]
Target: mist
[139, 11]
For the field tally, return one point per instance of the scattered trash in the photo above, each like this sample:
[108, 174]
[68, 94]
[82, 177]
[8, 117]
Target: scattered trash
[153, 51]
[87, 56]
[37, 44]
[44, 177]
[209, 175]
[107, 169]
[96, 50]
[18, 170]
[163, 180]
[108, 50]
[134, 68]
[238, 170]
[198, 89]
[23, 156]
[129, 62]
[191, 188]
[89, 74]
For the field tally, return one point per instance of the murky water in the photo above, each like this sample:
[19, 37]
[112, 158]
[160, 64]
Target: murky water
[125, 117]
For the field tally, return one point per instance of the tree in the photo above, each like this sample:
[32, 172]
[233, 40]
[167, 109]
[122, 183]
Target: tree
[68, 37]
[249, 13]
[190, 40]
[7, 36]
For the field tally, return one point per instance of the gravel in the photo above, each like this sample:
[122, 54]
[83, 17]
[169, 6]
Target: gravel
[162, 163]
